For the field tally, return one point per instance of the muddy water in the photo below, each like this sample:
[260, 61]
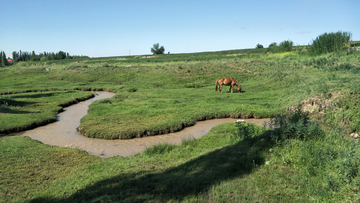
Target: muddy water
[63, 133]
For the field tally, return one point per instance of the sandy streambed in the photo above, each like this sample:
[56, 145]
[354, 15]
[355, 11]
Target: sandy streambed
[63, 133]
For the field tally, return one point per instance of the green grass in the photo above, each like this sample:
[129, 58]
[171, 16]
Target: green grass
[293, 163]
[165, 93]
[296, 163]
[28, 166]
[20, 112]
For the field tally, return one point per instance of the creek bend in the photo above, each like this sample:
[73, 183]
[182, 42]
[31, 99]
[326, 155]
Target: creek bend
[63, 133]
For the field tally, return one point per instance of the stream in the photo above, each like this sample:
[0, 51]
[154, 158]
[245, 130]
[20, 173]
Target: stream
[63, 133]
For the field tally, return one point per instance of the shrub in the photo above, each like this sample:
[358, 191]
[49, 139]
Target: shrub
[294, 125]
[259, 46]
[272, 44]
[284, 46]
[247, 130]
[329, 42]
[44, 58]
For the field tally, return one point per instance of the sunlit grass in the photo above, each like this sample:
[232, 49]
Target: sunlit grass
[298, 163]
[29, 110]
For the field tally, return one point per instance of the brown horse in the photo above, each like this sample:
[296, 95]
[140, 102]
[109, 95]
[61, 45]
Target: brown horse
[228, 82]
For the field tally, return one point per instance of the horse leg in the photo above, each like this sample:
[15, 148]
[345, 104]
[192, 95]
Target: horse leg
[220, 88]
[231, 88]
[216, 86]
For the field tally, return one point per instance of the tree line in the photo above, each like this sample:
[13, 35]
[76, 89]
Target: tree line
[27, 56]
[284, 46]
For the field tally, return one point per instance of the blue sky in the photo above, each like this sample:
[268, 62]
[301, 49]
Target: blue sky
[115, 28]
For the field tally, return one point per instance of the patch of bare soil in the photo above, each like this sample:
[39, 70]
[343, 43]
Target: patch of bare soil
[234, 54]
[316, 104]
[145, 57]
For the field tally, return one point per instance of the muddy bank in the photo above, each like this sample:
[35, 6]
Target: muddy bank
[63, 133]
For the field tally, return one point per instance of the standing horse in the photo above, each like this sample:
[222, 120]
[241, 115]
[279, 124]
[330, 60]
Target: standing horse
[228, 82]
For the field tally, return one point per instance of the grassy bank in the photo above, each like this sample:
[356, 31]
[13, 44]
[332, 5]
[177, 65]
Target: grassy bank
[21, 112]
[298, 162]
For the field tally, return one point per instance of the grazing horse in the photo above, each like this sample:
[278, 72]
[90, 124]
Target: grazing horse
[228, 82]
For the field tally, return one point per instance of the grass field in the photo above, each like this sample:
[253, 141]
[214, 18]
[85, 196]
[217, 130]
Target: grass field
[156, 95]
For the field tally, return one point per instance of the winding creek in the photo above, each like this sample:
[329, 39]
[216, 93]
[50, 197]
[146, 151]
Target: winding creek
[63, 133]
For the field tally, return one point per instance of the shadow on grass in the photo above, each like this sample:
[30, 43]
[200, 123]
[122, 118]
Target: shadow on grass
[11, 111]
[6, 103]
[32, 95]
[191, 179]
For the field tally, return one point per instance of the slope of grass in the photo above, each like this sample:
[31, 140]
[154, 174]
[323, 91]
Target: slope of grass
[20, 112]
[165, 93]
[297, 162]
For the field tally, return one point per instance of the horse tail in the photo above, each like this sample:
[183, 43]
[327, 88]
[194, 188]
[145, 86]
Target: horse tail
[216, 85]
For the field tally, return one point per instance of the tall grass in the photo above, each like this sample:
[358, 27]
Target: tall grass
[330, 42]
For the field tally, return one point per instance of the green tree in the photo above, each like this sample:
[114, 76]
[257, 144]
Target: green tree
[15, 56]
[272, 44]
[3, 59]
[34, 57]
[259, 46]
[60, 55]
[156, 49]
[286, 45]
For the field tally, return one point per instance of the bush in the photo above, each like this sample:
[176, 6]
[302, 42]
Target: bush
[259, 46]
[43, 58]
[294, 125]
[247, 130]
[284, 46]
[329, 42]
[272, 44]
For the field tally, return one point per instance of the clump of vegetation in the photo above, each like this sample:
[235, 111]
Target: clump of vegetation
[156, 49]
[259, 46]
[330, 42]
[284, 46]
[3, 59]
